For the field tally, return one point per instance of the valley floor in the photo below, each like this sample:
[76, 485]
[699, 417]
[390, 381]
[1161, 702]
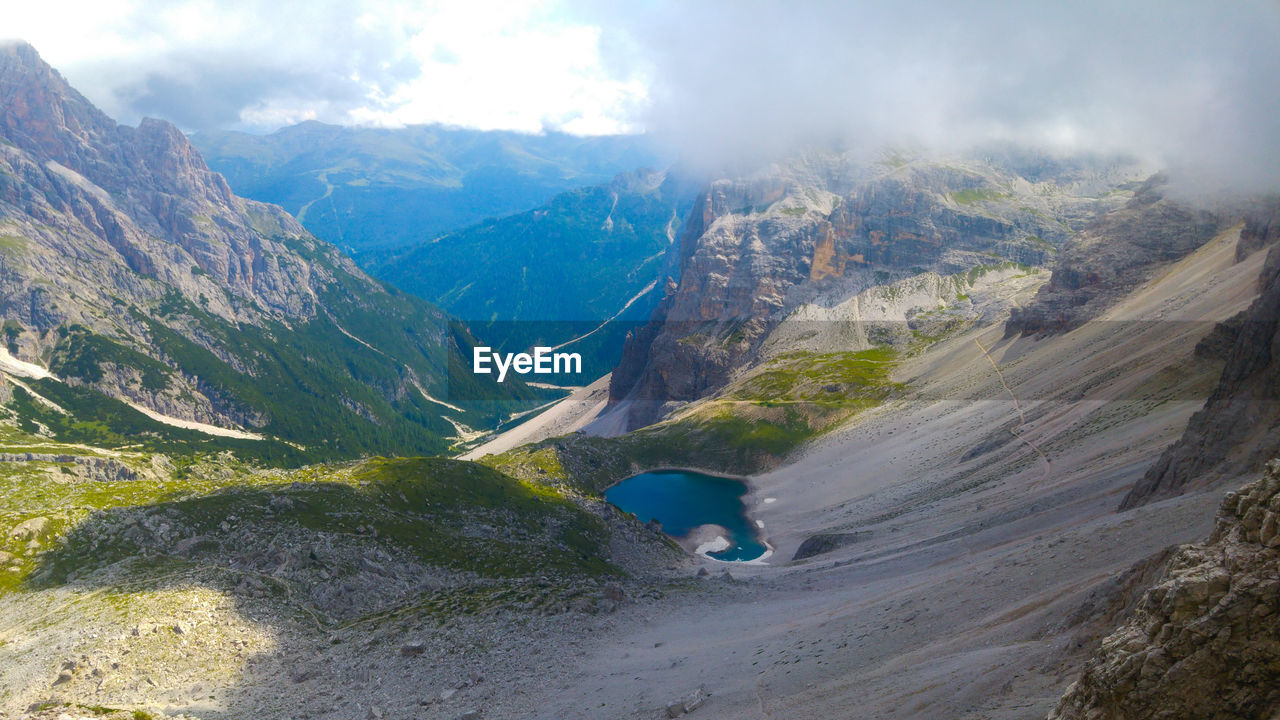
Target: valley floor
[978, 573]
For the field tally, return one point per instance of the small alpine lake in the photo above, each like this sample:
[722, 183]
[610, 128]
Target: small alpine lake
[683, 500]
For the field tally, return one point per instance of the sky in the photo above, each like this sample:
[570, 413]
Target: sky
[1183, 83]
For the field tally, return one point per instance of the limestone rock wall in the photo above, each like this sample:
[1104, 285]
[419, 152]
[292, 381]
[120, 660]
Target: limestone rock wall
[1204, 641]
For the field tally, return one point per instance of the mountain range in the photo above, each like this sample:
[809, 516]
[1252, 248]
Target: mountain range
[507, 277]
[134, 275]
[380, 189]
[483, 224]
[1002, 420]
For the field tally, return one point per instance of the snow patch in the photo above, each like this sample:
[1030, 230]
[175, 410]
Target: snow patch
[718, 544]
[193, 425]
[21, 368]
[427, 395]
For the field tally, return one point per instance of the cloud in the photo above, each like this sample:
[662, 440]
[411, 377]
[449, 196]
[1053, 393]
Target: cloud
[1182, 84]
[258, 64]
[515, 66]
[205, 64]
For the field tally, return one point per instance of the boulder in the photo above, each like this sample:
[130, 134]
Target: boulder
[690, 702]
[31, 529]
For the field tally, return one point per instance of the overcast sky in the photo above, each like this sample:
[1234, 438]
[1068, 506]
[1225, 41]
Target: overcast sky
[1192, 84]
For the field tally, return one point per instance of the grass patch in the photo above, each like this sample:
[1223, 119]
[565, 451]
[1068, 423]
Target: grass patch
[825, 379]
[13, 244]
[750, 426]
[12, 329]
[440, 513]
[977, 272]
[974, 196]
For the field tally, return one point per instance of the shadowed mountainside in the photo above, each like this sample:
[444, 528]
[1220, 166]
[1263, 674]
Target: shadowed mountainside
[1238, 429]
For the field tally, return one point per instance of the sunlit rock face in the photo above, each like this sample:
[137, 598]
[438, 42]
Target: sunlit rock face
[127, 266]
[826, 227]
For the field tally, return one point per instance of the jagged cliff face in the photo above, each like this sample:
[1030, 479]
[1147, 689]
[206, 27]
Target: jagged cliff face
[1204, 641]
[736, 268]
[822, 230]
[127, 266]
[1239, 427]
[83, 196]
[1115, 254]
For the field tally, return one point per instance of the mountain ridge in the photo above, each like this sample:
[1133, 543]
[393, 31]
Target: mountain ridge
[824, 228]
[507, 277]
[1238, 429]
[129, 268]
[383, 188]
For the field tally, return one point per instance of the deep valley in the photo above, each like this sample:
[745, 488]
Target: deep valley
[980, 434]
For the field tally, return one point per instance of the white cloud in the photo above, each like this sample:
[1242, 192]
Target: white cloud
[1180, 82]
[505, 66]
[510, 64]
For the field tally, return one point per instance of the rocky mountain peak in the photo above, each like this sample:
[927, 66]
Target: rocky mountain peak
[47, 118]
[175, 164]
[42, 113]
[754, 248]
[1117, 252]
[143, 195]
[124, 255]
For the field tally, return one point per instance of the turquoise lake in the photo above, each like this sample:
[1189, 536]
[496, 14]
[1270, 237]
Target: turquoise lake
[682, 501]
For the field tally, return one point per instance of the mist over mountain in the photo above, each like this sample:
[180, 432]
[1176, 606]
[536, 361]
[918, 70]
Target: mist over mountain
[383, 188]
[1184, 85]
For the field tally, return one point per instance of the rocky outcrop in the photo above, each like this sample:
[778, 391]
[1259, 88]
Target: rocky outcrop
[1119, 251]
[737, 265]
[79, 189]
[90, 467]
[1238, 429]
[1204, 641]
[823, 543]
[1261, 230]
[821, 230]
